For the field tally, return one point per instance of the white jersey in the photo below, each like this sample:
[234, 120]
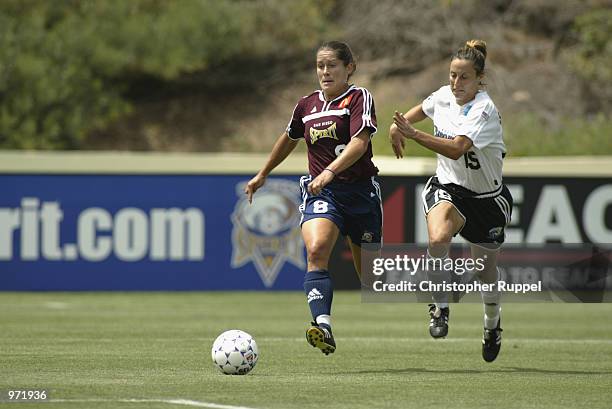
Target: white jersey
[480, 169]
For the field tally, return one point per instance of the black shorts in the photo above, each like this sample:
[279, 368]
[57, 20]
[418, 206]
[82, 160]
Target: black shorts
[484, 218]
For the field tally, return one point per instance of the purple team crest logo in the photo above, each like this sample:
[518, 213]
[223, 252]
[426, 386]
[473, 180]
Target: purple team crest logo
[267, 232]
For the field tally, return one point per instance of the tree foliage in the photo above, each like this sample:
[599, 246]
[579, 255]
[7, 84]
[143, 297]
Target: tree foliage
[65, 65]
[591, 56]
[71, 67]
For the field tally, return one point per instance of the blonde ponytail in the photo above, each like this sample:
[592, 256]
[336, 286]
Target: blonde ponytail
[474, 51]
[480, 45]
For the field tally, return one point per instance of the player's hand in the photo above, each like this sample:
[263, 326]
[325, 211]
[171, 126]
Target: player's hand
[254, 184]
[404, 125]
[397, 141]
[318, 183]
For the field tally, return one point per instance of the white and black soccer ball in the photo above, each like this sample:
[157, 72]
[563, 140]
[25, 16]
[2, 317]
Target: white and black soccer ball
[235, 352]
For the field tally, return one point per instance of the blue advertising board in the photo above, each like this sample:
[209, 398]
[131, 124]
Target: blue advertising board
[130, 232]
[148, 232]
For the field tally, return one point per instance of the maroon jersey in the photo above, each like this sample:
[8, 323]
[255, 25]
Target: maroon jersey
[328, 126]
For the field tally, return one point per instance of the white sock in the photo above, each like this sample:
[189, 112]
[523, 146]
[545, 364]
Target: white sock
[491, 316]
[323, 319]
[437, 276]
[492, 308]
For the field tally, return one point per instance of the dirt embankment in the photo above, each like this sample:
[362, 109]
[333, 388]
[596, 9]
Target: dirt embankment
[526, 75]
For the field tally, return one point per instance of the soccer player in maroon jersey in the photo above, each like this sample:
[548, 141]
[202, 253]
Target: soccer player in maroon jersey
[340, 194]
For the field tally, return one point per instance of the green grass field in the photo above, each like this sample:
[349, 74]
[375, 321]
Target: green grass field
[152, 350]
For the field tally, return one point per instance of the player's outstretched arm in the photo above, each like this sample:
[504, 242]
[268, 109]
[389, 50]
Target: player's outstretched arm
[282, 148]
[451, 148]
[396, 138]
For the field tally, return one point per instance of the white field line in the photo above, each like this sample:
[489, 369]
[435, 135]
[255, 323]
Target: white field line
[184, 402]
[56, 305]
[424, 339]
[451, 339]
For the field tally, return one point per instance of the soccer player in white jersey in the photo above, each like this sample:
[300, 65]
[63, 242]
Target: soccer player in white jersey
[467, 195]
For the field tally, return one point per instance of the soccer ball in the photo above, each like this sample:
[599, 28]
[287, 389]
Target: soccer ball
[235, 352]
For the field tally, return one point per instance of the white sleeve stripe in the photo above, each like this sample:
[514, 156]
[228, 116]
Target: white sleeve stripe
[367, 106]
[366, 117]
[359, 131]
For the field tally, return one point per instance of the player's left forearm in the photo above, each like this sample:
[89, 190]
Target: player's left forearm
[451, 148]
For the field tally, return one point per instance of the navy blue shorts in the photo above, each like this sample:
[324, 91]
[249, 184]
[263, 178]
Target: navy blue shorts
[356, 208]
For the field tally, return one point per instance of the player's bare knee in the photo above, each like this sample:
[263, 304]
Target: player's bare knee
[439, 238]
[489, 273]
[318, 252]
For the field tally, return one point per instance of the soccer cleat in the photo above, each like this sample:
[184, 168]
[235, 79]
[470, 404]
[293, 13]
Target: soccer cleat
[438, 323]
[320, 336]
[491, 343]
